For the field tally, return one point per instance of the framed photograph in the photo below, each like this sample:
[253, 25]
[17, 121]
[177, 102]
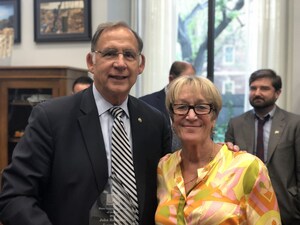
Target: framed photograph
[62, 21]
[10, 17]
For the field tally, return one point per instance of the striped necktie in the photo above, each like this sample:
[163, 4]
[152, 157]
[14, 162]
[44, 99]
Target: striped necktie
[123, 176]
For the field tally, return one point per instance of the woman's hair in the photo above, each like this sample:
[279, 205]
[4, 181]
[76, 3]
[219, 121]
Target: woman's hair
[198, 85]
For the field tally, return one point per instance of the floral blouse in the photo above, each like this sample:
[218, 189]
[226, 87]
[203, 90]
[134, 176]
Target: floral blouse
[234, 188]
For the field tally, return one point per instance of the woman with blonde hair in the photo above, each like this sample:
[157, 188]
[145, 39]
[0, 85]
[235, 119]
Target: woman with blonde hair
[204, 182]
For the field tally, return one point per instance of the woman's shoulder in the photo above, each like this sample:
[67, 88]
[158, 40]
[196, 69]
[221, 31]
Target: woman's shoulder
[170, 159]
[241, 158]
[246, 166]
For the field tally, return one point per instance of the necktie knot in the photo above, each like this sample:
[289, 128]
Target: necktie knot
[116, 112]
[264, 120]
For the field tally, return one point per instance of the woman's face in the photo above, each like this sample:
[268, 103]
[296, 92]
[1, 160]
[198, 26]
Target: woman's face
[192, 128]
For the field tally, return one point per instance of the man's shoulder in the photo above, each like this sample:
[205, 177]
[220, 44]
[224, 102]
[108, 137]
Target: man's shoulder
[65, 106]
[153, 95]
[289, 117]
[62, 101]
[243, 116]
[145, 112]
[142, 106]
[286, 113]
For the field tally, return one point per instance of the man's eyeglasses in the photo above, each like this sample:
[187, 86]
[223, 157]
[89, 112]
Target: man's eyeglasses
[112, 54]
[200, 109]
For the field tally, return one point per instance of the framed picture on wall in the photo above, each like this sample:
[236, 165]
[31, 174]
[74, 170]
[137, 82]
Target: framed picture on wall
[10, 18]
[62, 21]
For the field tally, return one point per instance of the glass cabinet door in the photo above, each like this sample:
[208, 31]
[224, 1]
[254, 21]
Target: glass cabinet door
[20, 103]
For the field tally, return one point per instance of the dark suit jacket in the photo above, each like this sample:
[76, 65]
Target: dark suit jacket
[283, 160]
[59, 167]
[158, 101]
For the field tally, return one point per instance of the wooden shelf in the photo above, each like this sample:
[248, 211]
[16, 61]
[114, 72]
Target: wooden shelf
[20, 103]
[14, 139]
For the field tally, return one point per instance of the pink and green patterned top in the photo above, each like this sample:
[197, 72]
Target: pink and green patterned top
[234, 188]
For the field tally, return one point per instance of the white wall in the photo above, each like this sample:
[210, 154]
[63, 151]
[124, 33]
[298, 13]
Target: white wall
[29, 53]
[295, 95]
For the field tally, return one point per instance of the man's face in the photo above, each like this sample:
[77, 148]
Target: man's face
[262, 93]
[189, 71]
[79, 87]
[114, 76]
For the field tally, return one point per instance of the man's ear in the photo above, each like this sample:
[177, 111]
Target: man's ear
[171, 78]
[90, 61]
[142, 63]
[277, 94]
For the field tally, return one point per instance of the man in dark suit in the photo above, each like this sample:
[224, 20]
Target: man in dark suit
[63, 162]
[157, 99]
[281, 140]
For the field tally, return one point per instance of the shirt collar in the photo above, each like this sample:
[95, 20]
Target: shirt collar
[103, 105]
[271, 113]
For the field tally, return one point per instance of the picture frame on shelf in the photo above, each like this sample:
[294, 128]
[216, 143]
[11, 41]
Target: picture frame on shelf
[62, 21]
[10, 15]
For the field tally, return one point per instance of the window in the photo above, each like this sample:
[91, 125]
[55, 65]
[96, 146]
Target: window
[228, 87]
[228, 55]
[230, 58]
[250, 34]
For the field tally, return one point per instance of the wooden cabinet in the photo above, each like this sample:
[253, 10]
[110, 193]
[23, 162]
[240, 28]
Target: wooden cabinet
[20, 89]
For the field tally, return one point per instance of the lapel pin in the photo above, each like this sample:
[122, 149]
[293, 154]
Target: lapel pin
[140, 119]
[276, 132]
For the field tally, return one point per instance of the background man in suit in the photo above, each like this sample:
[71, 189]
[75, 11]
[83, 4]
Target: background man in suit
[81, 83]
[157, 99]
[63, 161]
[281, 140]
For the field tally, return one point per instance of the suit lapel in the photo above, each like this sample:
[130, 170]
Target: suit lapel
[92, 134]
[278, 125]
[139, 160]
[248, 130]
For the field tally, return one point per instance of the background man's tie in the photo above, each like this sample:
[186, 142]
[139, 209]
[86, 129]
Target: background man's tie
[260, 137]
[123, 171]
